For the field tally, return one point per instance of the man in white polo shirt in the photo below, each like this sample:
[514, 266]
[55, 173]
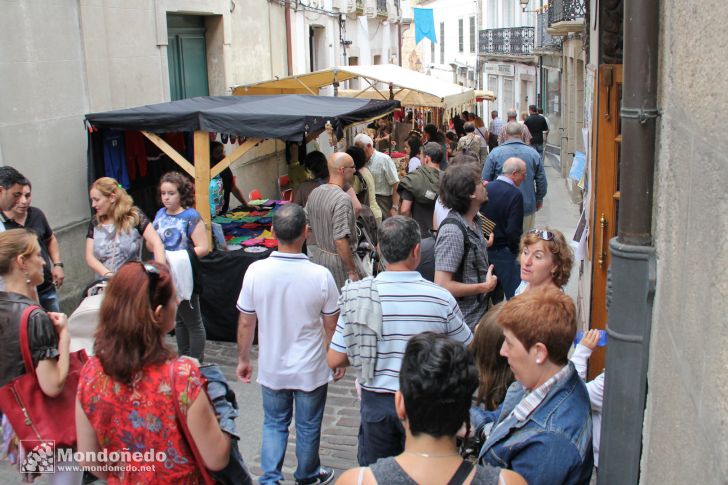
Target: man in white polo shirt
[295, 303]
[399, 303]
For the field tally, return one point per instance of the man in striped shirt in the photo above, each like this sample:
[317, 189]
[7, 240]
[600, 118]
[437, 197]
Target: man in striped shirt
[409, 305]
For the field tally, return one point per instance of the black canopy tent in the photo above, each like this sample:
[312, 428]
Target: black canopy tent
[294, 117]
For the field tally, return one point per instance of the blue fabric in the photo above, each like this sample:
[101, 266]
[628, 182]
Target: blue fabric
[176, 230]
[278, 410]
[226, 410]
[534, 187]
[380, 433]
[48, 299]
[424, 25]
[115, 157]
[553, 445]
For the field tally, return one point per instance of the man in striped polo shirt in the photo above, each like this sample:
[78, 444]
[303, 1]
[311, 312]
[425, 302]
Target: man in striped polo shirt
[396, 305]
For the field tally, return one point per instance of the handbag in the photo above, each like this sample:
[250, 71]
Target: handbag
[206, 475]
[33, 414]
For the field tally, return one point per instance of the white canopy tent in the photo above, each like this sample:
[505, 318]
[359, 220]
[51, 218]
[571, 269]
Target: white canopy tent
[409, 87]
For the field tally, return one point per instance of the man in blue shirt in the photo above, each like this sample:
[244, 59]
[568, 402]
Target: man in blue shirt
[534, 186]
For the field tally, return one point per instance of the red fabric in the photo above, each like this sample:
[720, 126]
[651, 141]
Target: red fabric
[142, 417]
[176, 141]
[136, 154]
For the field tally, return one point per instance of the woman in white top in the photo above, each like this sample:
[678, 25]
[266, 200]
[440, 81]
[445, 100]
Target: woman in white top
[412, 150]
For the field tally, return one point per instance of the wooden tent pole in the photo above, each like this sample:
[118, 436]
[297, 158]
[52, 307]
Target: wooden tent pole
[232, 156]
[171, 152]
[202, 180]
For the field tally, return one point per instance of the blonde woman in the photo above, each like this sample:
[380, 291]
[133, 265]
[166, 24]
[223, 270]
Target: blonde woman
[21, 266]
[115, 233]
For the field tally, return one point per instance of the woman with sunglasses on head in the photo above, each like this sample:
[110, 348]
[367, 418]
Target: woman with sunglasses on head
[116, 232]
[126, 392]
[546, 260]
[437, 380]
[180, 227]
[21, 267]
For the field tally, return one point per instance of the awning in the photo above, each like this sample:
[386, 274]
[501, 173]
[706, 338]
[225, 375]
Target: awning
[409, 87]
[284, 117]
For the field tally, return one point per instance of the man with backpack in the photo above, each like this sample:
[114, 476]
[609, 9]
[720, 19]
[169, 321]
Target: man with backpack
[461, 257]
[471, 143]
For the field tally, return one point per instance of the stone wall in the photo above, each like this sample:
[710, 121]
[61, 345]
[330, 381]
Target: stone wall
[686, 431]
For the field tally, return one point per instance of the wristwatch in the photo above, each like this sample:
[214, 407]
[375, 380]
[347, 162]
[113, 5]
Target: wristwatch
[59, 264]
[395, 207]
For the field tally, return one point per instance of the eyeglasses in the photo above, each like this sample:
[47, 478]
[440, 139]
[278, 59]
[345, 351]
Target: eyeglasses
[542, 234]
[153, 274]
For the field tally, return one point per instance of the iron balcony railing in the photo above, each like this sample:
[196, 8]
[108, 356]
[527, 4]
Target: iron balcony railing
[513, 41]
[544, 41]
[566, 10]
[382, 7]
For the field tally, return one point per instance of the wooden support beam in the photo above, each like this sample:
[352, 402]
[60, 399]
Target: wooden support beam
[307, 88]
[234, 155]
[171, 153]
[201, 172]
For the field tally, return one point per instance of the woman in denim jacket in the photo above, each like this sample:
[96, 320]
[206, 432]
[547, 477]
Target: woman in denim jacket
[543, 429]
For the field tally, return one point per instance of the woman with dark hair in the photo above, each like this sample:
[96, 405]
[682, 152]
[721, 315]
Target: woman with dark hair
[315, 162]
[437, 380]
[493, 370]
[543, 428]
[127, 391]
[363, 182]
[412, 149]
[181, 228]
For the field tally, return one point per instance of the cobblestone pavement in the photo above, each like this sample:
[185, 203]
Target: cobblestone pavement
[339, 430]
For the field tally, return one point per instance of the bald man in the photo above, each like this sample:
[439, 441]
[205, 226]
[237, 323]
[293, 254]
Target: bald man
[331, 216]
[505, 208]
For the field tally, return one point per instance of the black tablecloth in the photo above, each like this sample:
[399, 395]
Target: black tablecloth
[222, 277]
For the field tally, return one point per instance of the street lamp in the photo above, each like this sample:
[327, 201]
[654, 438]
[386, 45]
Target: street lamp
[524, 4]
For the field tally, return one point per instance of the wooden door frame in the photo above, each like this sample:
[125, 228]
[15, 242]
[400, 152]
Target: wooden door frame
[606, 142]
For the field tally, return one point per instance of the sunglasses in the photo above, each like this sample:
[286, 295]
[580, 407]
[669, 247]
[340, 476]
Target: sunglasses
[153, 274]
[542, 234]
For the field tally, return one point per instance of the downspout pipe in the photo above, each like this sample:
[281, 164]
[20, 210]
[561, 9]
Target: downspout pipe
[632, 273]
[289, 44]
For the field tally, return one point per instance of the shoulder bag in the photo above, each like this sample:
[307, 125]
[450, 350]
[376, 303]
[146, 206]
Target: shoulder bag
[206, 475]
[34, 415]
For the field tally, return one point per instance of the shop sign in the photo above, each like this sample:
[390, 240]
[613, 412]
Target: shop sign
[500, 69]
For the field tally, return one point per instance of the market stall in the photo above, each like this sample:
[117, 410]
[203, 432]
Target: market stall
[296, 118]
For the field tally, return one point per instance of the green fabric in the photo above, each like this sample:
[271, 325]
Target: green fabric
[423, 184]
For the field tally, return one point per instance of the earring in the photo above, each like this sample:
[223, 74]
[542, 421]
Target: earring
[27, 279]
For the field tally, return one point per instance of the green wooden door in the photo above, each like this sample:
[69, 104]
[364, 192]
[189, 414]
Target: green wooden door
[186, 56]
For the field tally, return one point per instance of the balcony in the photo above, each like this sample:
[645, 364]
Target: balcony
[360, 6]
[566, 16]
[545, 42]
[510, 42]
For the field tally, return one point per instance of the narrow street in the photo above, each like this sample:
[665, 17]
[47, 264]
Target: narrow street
[341, 418]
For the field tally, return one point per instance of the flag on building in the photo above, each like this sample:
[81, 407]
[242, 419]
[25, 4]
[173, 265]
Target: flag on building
[424, 25]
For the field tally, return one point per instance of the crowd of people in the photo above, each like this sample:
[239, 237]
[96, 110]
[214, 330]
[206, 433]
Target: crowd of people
[461, 331]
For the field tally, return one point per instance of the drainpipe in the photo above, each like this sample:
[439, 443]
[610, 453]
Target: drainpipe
[289, 45]
[632, 278]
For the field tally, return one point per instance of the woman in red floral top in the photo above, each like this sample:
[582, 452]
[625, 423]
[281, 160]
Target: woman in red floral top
[125, 394]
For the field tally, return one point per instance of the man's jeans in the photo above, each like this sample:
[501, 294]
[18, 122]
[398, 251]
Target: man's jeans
[278, 409]
[539, 149]
[49, 299]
